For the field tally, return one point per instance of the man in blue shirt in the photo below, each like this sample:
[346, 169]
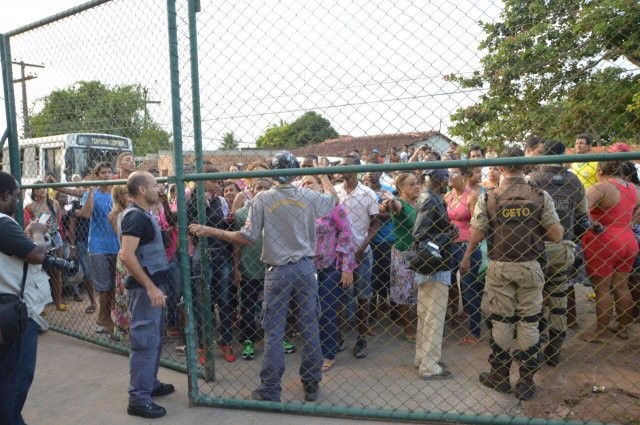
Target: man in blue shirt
[103, 244]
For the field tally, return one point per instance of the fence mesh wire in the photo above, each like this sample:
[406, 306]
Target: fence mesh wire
[378, 80]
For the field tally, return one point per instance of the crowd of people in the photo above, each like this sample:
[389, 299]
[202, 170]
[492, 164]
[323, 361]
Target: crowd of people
[322, 255]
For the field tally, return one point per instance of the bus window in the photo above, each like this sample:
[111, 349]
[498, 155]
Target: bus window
[53, 162]
[30, 160]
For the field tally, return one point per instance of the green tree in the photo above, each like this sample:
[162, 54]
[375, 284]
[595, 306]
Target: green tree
[309, 129]
[229, 142]
[151, 140]
[91, 106]
[555, 69]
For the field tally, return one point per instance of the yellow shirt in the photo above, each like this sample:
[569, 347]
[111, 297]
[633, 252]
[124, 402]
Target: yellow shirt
[586, 172]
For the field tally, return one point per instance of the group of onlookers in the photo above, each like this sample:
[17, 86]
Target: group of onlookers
[354, 231]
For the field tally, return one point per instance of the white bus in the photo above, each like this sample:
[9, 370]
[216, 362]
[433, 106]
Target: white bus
[66, 154]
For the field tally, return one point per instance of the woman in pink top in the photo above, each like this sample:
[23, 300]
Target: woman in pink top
[461, 202]
[335, 262]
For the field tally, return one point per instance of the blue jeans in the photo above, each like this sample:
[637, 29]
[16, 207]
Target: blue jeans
[221, 282]
[329, 292]
[250, 291]
[381, 270]
[282, 284]
[470, 285]
[17, 368]
[361, 289]
[220, 287]
[173, 290]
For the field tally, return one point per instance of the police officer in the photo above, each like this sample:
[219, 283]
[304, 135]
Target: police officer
[517, 218]
[143, 255]
[570, 201]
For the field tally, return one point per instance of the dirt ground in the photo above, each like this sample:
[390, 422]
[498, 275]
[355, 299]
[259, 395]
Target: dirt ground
[595, 382]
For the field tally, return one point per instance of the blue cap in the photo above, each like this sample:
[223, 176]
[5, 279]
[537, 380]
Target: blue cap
[438, 174]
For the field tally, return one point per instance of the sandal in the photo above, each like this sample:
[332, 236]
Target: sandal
[410, 338]
[327, 364]
[619, 331]
[469, 340]
[592, 337]
[62, 307]
[91, 309]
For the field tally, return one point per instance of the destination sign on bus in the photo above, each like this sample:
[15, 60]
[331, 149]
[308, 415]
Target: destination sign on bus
[103, 142]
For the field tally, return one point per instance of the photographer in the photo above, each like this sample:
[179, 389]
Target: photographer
[18, 357]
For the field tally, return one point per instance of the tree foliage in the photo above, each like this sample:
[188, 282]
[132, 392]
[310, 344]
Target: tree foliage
[229, 142]
[309, 129]
[91, 106]
[556, 69]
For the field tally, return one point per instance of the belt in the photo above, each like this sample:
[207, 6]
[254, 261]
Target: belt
[290, 262]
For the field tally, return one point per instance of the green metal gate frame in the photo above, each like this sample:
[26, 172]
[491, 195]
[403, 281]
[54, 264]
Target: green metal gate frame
[192, 370]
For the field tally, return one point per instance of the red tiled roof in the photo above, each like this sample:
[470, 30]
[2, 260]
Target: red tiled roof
[343, 145]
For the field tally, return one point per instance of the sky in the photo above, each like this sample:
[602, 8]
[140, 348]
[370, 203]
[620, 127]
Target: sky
[368, 66]
[22, 13]
[27, 11]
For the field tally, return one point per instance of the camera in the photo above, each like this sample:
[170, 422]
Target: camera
[51, 262]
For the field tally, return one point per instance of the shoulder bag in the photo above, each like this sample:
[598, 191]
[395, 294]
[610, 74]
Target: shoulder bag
[13, 314]
[431, 249]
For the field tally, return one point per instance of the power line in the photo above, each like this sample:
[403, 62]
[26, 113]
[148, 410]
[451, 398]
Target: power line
[23, 81]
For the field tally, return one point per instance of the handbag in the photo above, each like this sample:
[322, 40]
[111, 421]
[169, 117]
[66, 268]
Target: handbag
[13, 314]
[430, 255]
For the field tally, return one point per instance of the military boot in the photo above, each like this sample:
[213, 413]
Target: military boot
[498, 377]
[530, 362]
[552, 350]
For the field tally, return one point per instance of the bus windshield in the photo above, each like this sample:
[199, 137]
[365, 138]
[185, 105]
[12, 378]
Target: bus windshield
[82, 160]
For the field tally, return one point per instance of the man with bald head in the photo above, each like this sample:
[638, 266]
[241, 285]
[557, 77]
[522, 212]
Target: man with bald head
[142, 253]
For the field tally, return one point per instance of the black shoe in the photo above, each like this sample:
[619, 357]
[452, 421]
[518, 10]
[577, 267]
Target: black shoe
[255, 395]
[360, 349]
[150, 411]
[311, 390]
[496, 379]
[341, 345]
[163, 389]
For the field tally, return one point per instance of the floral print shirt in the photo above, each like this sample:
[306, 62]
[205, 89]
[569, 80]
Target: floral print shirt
[334, 241]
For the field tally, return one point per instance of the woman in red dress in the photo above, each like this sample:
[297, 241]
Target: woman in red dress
[611, 248]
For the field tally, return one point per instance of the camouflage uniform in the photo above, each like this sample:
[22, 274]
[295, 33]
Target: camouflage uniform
[514, 217]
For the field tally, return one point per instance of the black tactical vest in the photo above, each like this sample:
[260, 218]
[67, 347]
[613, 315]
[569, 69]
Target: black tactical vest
[566, 191]
[515, 212]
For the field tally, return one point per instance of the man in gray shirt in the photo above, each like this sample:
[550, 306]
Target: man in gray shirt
[286, 217]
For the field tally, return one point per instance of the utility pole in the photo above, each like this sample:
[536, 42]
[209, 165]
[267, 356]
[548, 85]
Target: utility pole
[145, 93]
[23, 80]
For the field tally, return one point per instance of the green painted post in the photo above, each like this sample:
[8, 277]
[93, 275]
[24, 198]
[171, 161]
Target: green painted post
[10, 111]
[183, 241]
[207, 313]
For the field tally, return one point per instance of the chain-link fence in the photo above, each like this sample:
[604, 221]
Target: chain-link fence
[351, 294]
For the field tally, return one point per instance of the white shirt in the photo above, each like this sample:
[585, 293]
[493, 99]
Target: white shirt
[361, 204]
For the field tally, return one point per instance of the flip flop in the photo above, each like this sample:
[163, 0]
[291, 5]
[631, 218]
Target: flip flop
[102, 330]
[468, 341]
[620, 332]
[592, 338]
[410, 338]
[327, 364]
[91, 309]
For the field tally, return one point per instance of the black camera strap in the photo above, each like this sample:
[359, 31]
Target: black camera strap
[24, 280]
